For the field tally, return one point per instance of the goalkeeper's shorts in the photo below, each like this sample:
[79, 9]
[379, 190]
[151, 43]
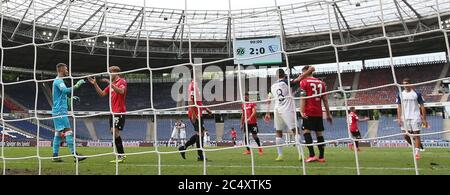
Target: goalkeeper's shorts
[61, 123]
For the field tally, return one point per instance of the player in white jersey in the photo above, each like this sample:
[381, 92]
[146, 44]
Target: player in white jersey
[207, 140]
[411, 114]
[182, 130]
[175, 134]
[178, 133]
[284, 110]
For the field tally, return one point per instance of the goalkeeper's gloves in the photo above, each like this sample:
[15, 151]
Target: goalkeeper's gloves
[76, 98]
[70, 101]
[79, 83]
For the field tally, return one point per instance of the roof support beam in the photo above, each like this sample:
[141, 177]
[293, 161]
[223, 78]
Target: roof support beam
[21, 20]
[60, 25]
[176, 28]
[131, 25]
[180, 49]
[421, 25]
[283, 31]
[342, 16]
[412, 9]
[347, 26]
[139, 34]
[228, 37]
[98, 32]
[90, 17]
[134, 21]
[401, 17]
[49, 10]
[338, 23]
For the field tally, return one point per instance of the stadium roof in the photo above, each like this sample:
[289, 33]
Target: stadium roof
[93, 17]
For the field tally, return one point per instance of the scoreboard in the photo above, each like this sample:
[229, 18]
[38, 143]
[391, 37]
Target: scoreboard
[260, 50]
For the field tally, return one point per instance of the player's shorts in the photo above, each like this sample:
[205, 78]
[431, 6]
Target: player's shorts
[61, 123]
[195, 124]
[118, 122]
[356, 135]
[175, 133]
[412, 125]
[253, 128]
[283, 120]
[313, 124]
[182, 134]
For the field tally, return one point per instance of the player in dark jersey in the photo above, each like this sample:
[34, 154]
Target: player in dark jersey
[195, 114]
[249, 109]
[118, 96]
[233, 136]
[312, 114]
[353, 120]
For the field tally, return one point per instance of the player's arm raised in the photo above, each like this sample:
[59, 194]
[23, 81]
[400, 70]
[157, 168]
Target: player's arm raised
[67, 90]
[303, 75]
[99, 91]
[118, 89]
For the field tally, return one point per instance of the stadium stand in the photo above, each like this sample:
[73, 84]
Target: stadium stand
[31, 128]
[138, 96]
[25, 94]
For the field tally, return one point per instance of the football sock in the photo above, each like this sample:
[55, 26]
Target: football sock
[56, 143]
[321, 139]
[279, 141]
[309, 140]
[119, 145]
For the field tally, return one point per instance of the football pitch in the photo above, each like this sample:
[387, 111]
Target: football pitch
[340, 161]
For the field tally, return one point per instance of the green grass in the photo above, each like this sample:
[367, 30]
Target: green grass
[341, 161]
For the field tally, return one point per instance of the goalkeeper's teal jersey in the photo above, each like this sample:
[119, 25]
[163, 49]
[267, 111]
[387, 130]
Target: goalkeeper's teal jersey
[60, 92]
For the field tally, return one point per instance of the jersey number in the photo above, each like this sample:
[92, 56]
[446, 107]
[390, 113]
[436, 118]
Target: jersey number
[314, 87]
[350, 120]
[281, 97]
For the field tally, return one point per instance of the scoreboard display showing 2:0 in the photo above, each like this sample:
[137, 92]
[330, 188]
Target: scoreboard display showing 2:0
[258, 51]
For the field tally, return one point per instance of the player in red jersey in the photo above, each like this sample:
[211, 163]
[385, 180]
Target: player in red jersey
[353, 120]
[249, 109]
[233, 136]
[312, 114]
[195, 114]
[118, 96]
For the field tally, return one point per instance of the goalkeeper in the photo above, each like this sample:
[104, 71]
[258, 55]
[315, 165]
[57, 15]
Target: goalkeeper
[60, 112]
